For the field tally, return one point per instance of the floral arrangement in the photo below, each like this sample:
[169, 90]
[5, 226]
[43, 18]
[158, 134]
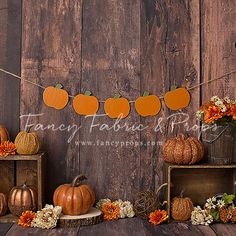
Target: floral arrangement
[219, 208]
[7, 148]
[116, 209]
[157, 217]
[45, 219]
[218, 111]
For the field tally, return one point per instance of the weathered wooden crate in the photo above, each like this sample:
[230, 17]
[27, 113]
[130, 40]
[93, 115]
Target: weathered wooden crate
[200, 182]
[20, 169]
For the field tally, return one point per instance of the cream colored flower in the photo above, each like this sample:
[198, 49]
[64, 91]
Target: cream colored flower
[215, 98]
[200, 217]
[101, 202]
[126, 208]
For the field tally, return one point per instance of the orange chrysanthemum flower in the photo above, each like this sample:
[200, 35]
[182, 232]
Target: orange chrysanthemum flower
[233, 111]
[111, 211]
[7, 148]
[213, 113]
[26, 218]
[158, 216]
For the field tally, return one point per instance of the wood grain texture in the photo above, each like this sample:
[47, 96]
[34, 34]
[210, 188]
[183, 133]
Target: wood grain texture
[10, 57]
[169, 56]
[110, 60]
[6, 176]
[218, 49]
[51, 53]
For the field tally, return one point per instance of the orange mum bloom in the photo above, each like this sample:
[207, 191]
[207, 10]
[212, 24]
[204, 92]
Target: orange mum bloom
[158, 216]
[7, 148]
[233, 111]
[111, 211]
[26, 218]
[213, 113]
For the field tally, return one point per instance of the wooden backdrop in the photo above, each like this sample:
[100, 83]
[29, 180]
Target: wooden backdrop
[102, 45]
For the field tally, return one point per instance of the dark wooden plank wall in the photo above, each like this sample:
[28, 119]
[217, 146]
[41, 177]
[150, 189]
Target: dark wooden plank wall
[101, 45]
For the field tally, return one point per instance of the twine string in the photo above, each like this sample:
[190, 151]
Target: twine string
[161, 97]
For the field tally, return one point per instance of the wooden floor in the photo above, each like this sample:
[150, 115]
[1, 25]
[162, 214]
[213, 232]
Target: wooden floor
[126, 227]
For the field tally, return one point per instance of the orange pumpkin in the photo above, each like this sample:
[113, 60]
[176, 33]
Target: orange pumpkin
[3, 204]
[117, 107]
[85, 104]
[183, 150]
[55, 97]
[75, 198]
[148, 105]
[22, 198]
[181, 208]
[4, 135]
[177, 99]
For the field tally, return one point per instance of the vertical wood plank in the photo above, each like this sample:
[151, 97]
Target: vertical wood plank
[6, 176]
[110, 51]
[51, 54]
[218, 49]
[10, 46]
[170, 55]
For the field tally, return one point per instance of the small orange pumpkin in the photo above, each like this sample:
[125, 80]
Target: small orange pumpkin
[181, 208]
[85, 104]
[4, 135]
[55, 97]
[22, 198]
[117, 107]
[75, 198]
[177, 99]
[148, 105]
[3, 204]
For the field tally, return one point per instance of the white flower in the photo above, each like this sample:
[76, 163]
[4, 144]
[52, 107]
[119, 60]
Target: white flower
[200, 217]
[213, 199]
[199, 114]
[126, 208]
[220, 203]
[223, 108]
[219, 103]
[227, 99]
[101, 203]
[215, 98]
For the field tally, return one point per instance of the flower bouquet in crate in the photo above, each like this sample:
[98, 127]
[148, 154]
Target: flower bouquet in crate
[219, 118]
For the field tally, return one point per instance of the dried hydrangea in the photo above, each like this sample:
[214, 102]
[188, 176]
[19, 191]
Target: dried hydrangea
[126, 208]
[102, 202]
[201, 217]
[47, 217]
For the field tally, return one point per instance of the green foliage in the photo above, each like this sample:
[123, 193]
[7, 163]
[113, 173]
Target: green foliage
[215, 214]
[228, 199]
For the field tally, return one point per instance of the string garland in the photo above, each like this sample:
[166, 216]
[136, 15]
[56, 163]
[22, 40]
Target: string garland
[161, 97]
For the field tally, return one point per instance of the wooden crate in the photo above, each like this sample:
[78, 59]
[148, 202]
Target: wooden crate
[200, 182]
[20, 169]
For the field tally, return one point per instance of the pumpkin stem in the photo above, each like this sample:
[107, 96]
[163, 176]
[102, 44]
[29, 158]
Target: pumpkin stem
[182, 193]
[87, 93]
[145, 94]
[77, 180]
[173, 87]
[181, 136]
[59, 86]
[117, 95]
[28, 129]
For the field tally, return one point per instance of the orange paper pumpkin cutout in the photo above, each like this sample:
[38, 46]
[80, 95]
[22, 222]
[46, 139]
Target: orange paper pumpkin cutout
[85, 104]
[117, 107]
[177, 99]
[148, 105]
[55, 97]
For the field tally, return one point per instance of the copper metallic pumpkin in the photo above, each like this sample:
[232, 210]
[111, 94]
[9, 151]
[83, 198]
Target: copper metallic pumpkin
[22, 198]
[75, 198]
[4, 135]
[181, 208]
[183, 150]
[27, 143]
[3, 204]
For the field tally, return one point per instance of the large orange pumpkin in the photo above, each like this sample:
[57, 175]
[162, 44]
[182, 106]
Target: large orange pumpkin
[85, 104]
[75, 198]
[183, 150]
[55, 97]
[22, 198]
[3, 204]
[181, 208]
[117, 107]
[4, 135]
[177, 99]
[148, 105]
